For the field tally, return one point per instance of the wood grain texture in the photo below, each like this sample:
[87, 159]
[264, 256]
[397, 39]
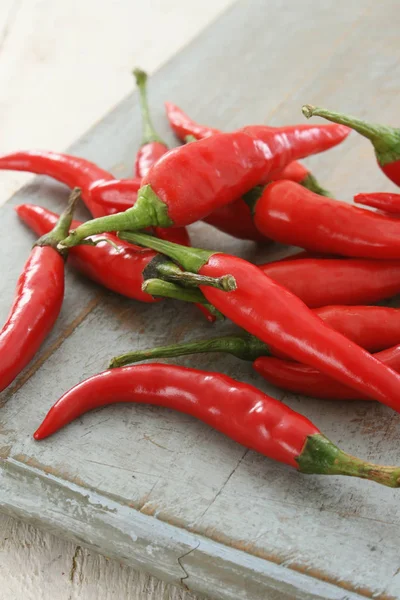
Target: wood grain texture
[236, 523]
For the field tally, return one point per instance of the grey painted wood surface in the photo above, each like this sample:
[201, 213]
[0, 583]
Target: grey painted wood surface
[157, 489]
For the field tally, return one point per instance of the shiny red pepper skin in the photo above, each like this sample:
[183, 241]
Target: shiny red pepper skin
[235, 219]
[236, 409]
[113, 196]
[392, 171]
[290, 214]
[71, 170]
[147, 156]
[374, 328]
[219, 169]
[277, 317]
[389, 203]
[102, 194]
[38, 299]
[301, 379]
[119, 270]
[323, 281]
[182, 126]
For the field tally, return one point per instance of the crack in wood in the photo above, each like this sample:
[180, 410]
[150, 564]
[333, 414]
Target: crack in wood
[186, 576]
[224, 484]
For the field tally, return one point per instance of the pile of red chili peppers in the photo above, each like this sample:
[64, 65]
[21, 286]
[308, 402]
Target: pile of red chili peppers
[308, 323]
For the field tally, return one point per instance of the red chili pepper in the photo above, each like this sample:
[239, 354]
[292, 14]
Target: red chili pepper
[277, 317]
[115, 264]
[152, 146]
[113, 196]
[389, 203]
[118, 195]
[301, 379]
[236, 409]
[191, 181]
[371, 327]
[183, 127]
[38, 300]
[235, 219]
[71, 170]
[102, 194]
[385, 140]
[374, 328]
[290, 214]
[323, 281]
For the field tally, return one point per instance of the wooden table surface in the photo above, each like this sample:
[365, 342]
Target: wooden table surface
[172, 496]
[41, 68]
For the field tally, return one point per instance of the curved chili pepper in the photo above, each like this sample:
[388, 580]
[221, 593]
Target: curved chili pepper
[70, 170]
[236, 409]
[277, 317]
[324, 281]
[102, 194]
[302, 379]
[191, 181]
[115, 264]
[374, 328]
[235, 219]
[152, 146]
[290, 214]
[389, 203]
[38, 300]
[183, 127]
[385, 140]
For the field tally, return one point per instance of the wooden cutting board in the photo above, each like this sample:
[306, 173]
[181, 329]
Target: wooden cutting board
[157, 489]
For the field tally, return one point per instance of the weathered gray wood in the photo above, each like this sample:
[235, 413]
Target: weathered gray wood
[158, 489]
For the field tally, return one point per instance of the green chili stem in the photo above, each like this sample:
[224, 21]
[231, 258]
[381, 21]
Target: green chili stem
[252, 197]
[321, 456]
[245, 347]
[171, 272]
[167, 289]
[386, 140]
[149, 132]
[63, 224]
[312, 184]
[191, 259]
[147, 211]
